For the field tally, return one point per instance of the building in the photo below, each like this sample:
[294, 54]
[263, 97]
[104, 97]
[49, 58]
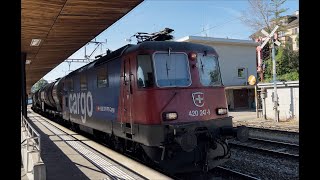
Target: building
[237, 60]
[289, 35]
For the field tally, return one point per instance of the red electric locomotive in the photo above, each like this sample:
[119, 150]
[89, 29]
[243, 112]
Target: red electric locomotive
[165, 100]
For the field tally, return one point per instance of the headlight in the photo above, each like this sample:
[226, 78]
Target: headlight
[170, 116]
[222, 111]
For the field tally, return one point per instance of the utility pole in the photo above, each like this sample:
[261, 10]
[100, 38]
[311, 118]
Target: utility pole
[273, 41]
[275, 95]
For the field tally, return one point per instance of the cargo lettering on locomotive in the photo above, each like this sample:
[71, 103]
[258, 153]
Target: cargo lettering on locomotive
[81, 103]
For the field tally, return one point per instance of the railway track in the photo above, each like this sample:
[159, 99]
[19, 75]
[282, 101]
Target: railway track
[269, 146]
[232, 174]
[219, 172]
[284, 137]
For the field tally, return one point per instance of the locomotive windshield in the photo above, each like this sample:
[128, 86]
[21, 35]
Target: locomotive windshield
[208, 70]
[145, 71]
[172, 70]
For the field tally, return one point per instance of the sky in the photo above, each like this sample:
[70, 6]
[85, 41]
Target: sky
[212, 18]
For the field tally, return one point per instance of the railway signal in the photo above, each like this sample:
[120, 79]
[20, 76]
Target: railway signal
[273, 41]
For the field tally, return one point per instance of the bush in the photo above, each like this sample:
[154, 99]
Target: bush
[292, 76]
[287, 66]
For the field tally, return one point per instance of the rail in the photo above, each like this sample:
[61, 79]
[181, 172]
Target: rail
[238, 174]
[32, 136]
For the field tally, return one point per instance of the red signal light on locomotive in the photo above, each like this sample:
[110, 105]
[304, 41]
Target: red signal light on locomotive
[192, 56]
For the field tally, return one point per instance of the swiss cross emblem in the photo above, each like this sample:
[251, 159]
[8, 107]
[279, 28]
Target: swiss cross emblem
[198, 99]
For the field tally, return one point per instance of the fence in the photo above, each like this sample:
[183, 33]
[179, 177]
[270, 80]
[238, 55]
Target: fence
[32, 140]
[288, 100]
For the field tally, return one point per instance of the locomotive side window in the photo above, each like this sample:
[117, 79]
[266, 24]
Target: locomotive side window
[172, 70]
[67, 101]
[83, 82]
[65, 85]
[208, 70]
[145, 71]
[70, 85]
[102, 77]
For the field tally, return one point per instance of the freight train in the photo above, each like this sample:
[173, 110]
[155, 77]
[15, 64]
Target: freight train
[163, 100]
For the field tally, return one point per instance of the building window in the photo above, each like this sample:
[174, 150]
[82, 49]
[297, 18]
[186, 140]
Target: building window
[102, 78]
[281, 33]
[83, 82]
[241, 72]
[295, 31]
[145, 71]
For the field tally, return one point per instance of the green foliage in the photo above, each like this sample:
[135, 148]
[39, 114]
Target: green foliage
[276, 12]
[38, 85]
[292, 76]
[267, 14]
[287, 65]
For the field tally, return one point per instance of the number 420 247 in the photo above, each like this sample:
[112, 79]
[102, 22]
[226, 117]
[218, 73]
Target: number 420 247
[203, 112]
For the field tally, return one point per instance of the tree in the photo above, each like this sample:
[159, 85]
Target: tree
[263, 14]
[287, 65]
[276, 10]
[266, 14]
[42, 82]
[257, 15]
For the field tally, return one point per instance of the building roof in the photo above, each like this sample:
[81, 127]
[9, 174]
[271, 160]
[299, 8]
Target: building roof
[294, 23]
[212, 41]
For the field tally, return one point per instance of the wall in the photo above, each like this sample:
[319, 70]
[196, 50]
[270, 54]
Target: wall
[288, 102]
[232, 57]
[233, 54]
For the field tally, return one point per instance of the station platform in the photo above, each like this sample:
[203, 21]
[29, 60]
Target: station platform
[249, 118]
[70, 156]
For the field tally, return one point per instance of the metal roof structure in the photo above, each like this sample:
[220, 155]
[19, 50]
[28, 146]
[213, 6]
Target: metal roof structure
[52, 30]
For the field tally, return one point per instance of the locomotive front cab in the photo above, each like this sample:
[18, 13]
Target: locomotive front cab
[178, 99]
[175, 87]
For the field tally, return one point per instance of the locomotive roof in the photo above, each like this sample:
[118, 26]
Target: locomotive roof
[103, 59]
[148, 45]
[175, 46]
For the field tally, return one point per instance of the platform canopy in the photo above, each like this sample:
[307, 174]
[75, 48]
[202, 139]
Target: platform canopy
[63, 27]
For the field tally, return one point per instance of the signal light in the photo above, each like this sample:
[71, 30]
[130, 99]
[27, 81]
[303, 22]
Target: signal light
[192, 56]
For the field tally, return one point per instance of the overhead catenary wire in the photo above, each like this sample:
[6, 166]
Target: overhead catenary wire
[219, 25]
